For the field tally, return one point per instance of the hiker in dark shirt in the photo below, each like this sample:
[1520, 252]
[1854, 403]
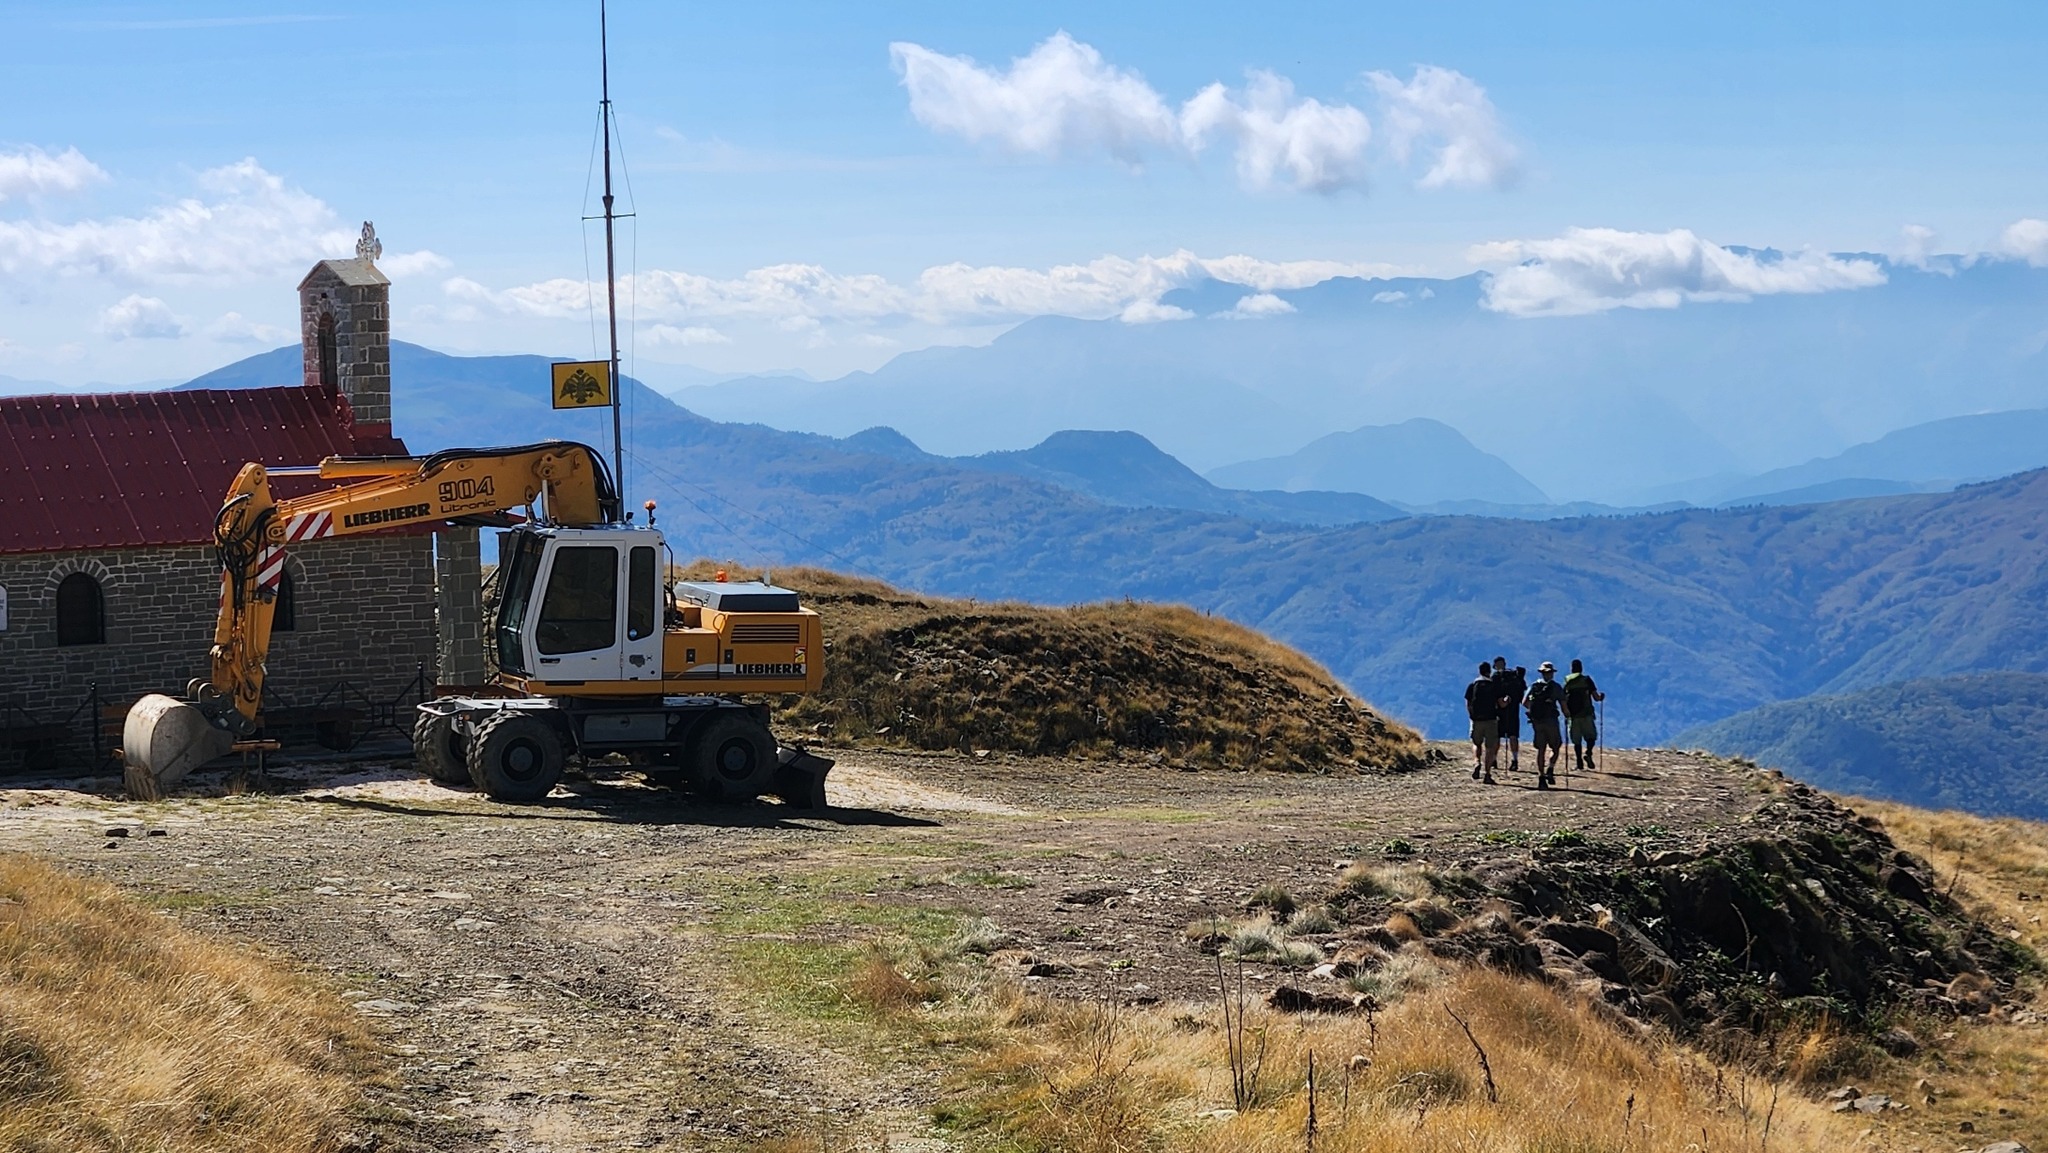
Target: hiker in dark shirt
[1580, 693]
[1514, 685]
[1544, 699]
[1482, 706]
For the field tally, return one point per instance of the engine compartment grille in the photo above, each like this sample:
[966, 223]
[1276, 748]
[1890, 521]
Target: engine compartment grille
[768, 634]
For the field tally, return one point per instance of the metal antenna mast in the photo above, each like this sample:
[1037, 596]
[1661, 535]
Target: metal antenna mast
[611, 279]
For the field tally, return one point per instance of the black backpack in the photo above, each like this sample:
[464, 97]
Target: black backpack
[1544, 699]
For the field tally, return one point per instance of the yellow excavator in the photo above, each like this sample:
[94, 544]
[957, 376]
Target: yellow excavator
[598, 650]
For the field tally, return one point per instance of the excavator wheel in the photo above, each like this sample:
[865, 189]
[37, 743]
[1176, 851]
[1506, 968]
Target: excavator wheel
[437, 747]
[732, 758]
[515, 756]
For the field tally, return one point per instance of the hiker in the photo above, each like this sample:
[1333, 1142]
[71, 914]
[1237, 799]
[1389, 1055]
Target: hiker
[1514, 685]
[1482, 706]
[1579, 694]
[1544, 699]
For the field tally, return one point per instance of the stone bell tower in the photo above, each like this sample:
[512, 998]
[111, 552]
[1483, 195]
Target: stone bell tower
[345, 331]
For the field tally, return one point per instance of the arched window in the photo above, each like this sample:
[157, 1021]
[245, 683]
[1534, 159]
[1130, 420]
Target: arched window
[81, 616]
[330, 364]
[284, 613]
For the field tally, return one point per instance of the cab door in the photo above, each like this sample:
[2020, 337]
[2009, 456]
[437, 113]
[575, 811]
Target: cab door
[642, 657]
[576, 634]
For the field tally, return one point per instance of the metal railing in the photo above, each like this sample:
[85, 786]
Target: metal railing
[85, 737]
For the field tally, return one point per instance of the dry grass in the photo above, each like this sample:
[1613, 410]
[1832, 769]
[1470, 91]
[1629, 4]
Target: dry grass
[121, 1031]
[1099, 681]
[1978, 1067]
[1085, 1077]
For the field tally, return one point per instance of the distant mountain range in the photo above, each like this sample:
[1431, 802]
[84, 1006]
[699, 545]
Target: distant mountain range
[1615, 407]
[1687, 617]
[1968, 742]
[1418, 462]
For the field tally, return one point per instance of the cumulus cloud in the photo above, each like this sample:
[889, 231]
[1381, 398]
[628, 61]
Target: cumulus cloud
[34, 172]
[1064, 100]
[402, 265]
[1448, 116]
[137, 317]
[804, 296]
[1258, 306]
[1060, 99]
[234, 328]
[665, 334]
[249, 224]
[1595, 269]
[1310, 145]
[2026, 240]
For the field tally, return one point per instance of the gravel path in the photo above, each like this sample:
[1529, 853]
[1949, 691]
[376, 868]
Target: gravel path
[555, 977]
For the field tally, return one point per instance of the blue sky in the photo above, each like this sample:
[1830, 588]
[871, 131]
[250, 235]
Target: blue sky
[169, 171]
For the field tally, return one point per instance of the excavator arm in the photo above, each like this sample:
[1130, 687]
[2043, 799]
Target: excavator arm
[557, 482]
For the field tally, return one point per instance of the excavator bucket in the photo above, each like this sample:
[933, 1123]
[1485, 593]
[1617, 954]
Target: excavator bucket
[163, 739]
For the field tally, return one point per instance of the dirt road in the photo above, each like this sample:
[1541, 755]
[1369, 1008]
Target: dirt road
[624, 968]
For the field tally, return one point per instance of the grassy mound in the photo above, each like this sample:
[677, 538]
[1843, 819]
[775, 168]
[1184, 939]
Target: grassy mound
[1160, 682]
[119, 1030]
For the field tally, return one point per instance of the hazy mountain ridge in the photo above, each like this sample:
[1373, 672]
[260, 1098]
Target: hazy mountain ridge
[1417, 462]
[1608, 407]
[1967, 742]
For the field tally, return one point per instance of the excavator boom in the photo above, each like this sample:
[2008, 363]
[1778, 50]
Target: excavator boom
[557, 482]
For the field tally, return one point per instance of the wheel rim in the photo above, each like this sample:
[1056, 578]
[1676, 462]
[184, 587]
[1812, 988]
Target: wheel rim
[522, 760]
[736, 760]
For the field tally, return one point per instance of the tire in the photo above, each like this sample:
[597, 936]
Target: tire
[732, 758]
[437, 748]
[515, 757]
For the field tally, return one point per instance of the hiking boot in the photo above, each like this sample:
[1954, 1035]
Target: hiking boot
[1490, 780]
[1515, 765]
[1475, 772]
[1542, 782]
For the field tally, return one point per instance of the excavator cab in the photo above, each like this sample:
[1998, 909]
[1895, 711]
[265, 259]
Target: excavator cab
[577, 605]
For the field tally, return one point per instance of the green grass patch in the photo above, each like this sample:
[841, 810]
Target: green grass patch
[992, 879]
[1156, 814]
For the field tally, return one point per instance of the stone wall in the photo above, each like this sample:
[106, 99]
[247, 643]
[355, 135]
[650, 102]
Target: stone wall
[365, 615]
[459, 608]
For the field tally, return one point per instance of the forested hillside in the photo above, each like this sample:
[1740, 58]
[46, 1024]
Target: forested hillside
[1970, 742]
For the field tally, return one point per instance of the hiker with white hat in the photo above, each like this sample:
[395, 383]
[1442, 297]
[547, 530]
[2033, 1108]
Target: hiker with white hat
[1543, 701]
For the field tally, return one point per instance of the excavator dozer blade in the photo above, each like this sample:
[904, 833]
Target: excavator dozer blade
[163, 739]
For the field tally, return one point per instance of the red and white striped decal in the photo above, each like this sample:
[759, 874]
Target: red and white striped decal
[309, 526]
[270, 567]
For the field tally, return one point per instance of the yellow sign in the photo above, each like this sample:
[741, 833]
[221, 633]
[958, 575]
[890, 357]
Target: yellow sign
[583, 384]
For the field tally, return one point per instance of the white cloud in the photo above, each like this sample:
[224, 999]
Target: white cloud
[1314, 146]
[2026, 240]
[1152, 312]
[1059, 100]
[251, 225]
[803, 296]
[137, 317]
[1258, 307]
[34, 172]
[1063, 100]
[1594, 269]
[1916, 244]
[234, 328]
[402, 265]
[1448, 115]
[664, 334]
[1389, 297]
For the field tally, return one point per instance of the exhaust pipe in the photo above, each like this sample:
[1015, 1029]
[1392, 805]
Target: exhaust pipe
[163, 739]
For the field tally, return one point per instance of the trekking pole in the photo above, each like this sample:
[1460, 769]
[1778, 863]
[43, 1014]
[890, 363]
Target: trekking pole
[1600, 737]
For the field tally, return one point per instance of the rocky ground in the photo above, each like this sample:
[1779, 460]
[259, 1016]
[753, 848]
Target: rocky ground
[588, 973]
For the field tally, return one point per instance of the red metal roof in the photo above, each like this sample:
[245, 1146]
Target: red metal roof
[117, 470]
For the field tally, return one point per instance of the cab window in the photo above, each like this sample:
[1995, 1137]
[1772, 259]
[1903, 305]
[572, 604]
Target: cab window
[580, 610]
[639, 593]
